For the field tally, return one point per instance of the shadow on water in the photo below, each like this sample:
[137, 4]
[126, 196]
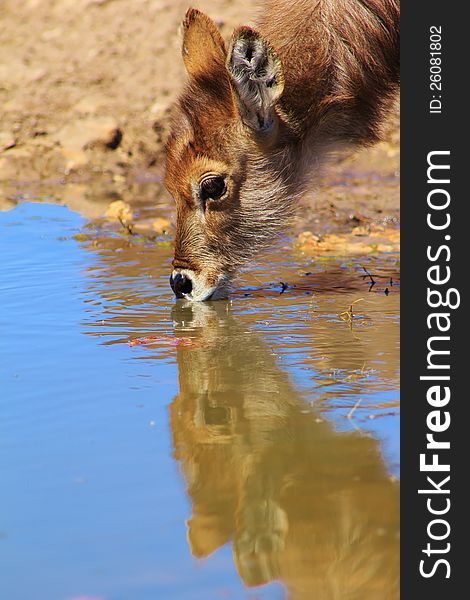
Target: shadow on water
[298, 501]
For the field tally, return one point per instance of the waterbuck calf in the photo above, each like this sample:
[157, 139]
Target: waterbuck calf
[256, 119]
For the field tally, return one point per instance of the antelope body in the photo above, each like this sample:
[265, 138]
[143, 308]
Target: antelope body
[256, 120]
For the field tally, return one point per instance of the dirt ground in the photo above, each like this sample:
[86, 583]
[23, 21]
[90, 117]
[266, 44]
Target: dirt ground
[85, 90]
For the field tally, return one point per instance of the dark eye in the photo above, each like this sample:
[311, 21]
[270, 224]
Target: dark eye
[212, 187]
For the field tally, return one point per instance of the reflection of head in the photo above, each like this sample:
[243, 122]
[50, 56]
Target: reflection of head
[299, 502]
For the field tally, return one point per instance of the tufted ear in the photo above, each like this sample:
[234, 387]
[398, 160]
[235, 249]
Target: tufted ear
[203, 46]
[258, 78]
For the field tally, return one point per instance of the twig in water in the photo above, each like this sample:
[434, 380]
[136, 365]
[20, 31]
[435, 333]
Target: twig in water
[127, 226]
[351, 412]
[367, 274]
[348, 315]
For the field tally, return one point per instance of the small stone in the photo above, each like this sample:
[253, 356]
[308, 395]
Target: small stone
[361, 230]
[119, 210]
[307, 238]
[161, 225]
[6, 203]
[119, 178]
[89, 133]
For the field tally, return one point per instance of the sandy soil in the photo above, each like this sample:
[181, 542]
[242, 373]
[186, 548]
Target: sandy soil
[85, 89]
[72, 72]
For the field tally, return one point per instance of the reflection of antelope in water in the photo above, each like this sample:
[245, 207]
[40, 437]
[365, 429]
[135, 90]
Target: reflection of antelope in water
[300, 502]
[255, 120]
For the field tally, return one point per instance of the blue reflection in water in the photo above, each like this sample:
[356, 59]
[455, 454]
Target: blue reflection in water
[93, 501]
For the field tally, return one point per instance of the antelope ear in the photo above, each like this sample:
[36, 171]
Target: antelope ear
[203, 45]
[257, 75]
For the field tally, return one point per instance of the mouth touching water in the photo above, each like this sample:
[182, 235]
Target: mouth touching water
[187, 284]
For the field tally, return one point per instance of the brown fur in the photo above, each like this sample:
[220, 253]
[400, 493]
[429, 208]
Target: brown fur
[315, 76]
[348, 68]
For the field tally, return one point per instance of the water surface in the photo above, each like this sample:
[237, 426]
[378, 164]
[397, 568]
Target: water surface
[159, 449]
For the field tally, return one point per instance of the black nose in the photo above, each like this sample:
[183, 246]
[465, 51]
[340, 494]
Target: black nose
[181, 285]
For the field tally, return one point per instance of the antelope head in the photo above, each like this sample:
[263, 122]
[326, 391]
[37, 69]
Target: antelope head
[227, 167]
